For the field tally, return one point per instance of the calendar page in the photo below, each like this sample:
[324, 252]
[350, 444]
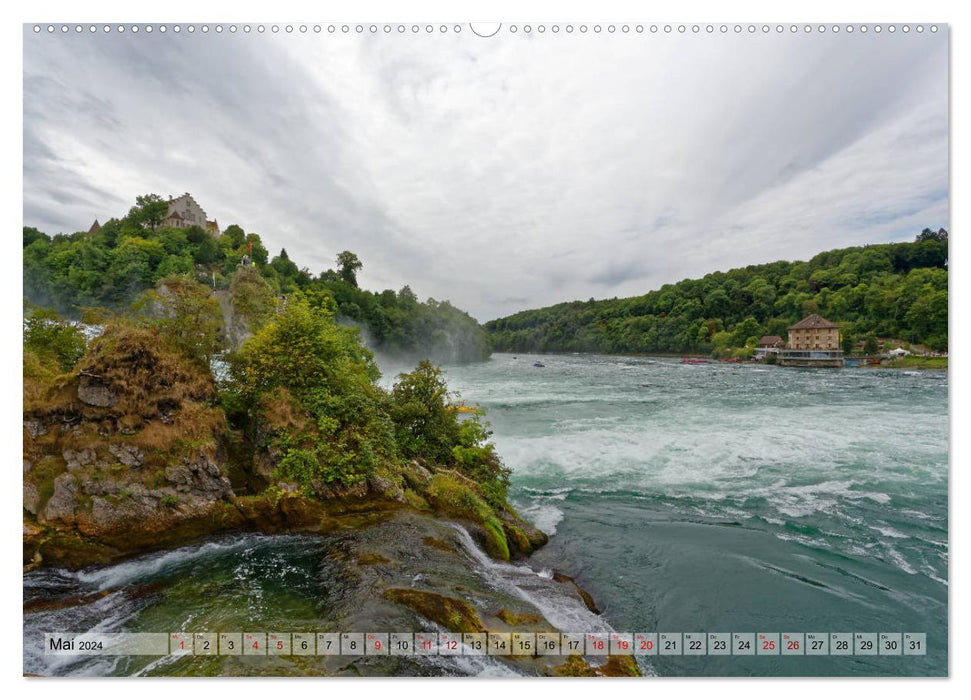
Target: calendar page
[427, 348]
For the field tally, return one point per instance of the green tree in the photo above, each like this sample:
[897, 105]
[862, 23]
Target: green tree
[235, 235]
[252, 297]
[302, 363]
[31, 234]
[207, 251]
[348, 266]
[186, 315]
[870, 346]
[931, 235]
[429, 427]
[744, 330]
[426, 426]
[283, 266]
[150, 210]
[257, 251]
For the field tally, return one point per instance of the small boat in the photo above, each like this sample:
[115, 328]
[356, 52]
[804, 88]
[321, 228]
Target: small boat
[693, 361]
[538, 364]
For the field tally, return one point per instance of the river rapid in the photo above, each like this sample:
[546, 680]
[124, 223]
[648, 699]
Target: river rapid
[685, 498]
[734, 498]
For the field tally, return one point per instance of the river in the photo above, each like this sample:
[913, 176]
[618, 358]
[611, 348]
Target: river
[734, 498]
[685, 498]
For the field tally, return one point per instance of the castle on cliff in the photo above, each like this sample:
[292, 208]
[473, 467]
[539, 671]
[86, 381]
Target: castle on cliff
[184, 212]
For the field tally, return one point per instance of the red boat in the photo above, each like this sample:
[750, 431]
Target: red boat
[693, 361]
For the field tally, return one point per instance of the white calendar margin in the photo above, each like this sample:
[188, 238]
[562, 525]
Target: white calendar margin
[506, 10]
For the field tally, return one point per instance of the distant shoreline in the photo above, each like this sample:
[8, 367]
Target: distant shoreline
[922, 363]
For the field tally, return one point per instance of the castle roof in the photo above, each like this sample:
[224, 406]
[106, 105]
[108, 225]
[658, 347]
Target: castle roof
[812, 321]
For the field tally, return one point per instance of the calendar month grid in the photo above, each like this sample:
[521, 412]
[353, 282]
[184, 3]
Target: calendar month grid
[488, 644]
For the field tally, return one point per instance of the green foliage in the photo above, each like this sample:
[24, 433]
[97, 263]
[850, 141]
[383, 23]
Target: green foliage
[331, 379]
[149, 210]
[870, 345]
[348, 266]
[51, 339]
[302, 390]
[892, 290]
[252, 298]
[114, 266]
[428, 427]
[234, 235]
[31, 234]
[187, 316]
[398, 324]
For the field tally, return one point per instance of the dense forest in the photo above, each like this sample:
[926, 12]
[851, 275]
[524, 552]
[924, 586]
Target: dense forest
[111, 266]
[894, 290]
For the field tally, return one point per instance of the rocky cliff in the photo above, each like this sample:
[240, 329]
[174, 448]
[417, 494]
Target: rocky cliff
[130, 453]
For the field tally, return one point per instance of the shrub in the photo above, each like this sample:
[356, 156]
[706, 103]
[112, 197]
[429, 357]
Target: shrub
[187, 316]
[51, 339]
[425, 425]
[428, 427]
[311, 386]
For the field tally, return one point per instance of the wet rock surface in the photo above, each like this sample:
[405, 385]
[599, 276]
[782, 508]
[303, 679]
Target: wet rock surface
[396, 576]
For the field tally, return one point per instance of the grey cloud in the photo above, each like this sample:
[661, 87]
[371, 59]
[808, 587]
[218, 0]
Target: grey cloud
[503, 173]
[617, 272]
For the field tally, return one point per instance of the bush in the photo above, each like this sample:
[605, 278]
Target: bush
[340, 430]
[52, 340]
[428, 427]
[187, 315]
[425, 425]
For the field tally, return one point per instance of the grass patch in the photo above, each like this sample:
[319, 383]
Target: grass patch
[915, 362]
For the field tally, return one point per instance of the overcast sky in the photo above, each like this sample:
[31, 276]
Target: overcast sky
[503, 173]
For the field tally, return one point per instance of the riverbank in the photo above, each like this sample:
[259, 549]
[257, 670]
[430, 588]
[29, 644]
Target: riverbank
[907, 362]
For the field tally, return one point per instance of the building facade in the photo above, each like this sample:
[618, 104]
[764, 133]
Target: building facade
[769, 345]
[814, 333]
[813, 342]
[184, 212]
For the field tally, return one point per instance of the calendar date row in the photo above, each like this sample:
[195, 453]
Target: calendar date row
[489, 644]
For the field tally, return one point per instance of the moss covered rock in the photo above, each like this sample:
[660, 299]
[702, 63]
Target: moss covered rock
[451, 613]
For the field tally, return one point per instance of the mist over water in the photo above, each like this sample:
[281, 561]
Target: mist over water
[728, 498]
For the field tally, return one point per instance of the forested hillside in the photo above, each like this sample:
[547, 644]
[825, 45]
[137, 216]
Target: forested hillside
[112, 266]
[896, 290]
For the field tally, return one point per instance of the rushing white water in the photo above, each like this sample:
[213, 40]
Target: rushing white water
[733, 497]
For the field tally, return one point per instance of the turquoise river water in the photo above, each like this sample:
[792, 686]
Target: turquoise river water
[734, 498]
[685, 498]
